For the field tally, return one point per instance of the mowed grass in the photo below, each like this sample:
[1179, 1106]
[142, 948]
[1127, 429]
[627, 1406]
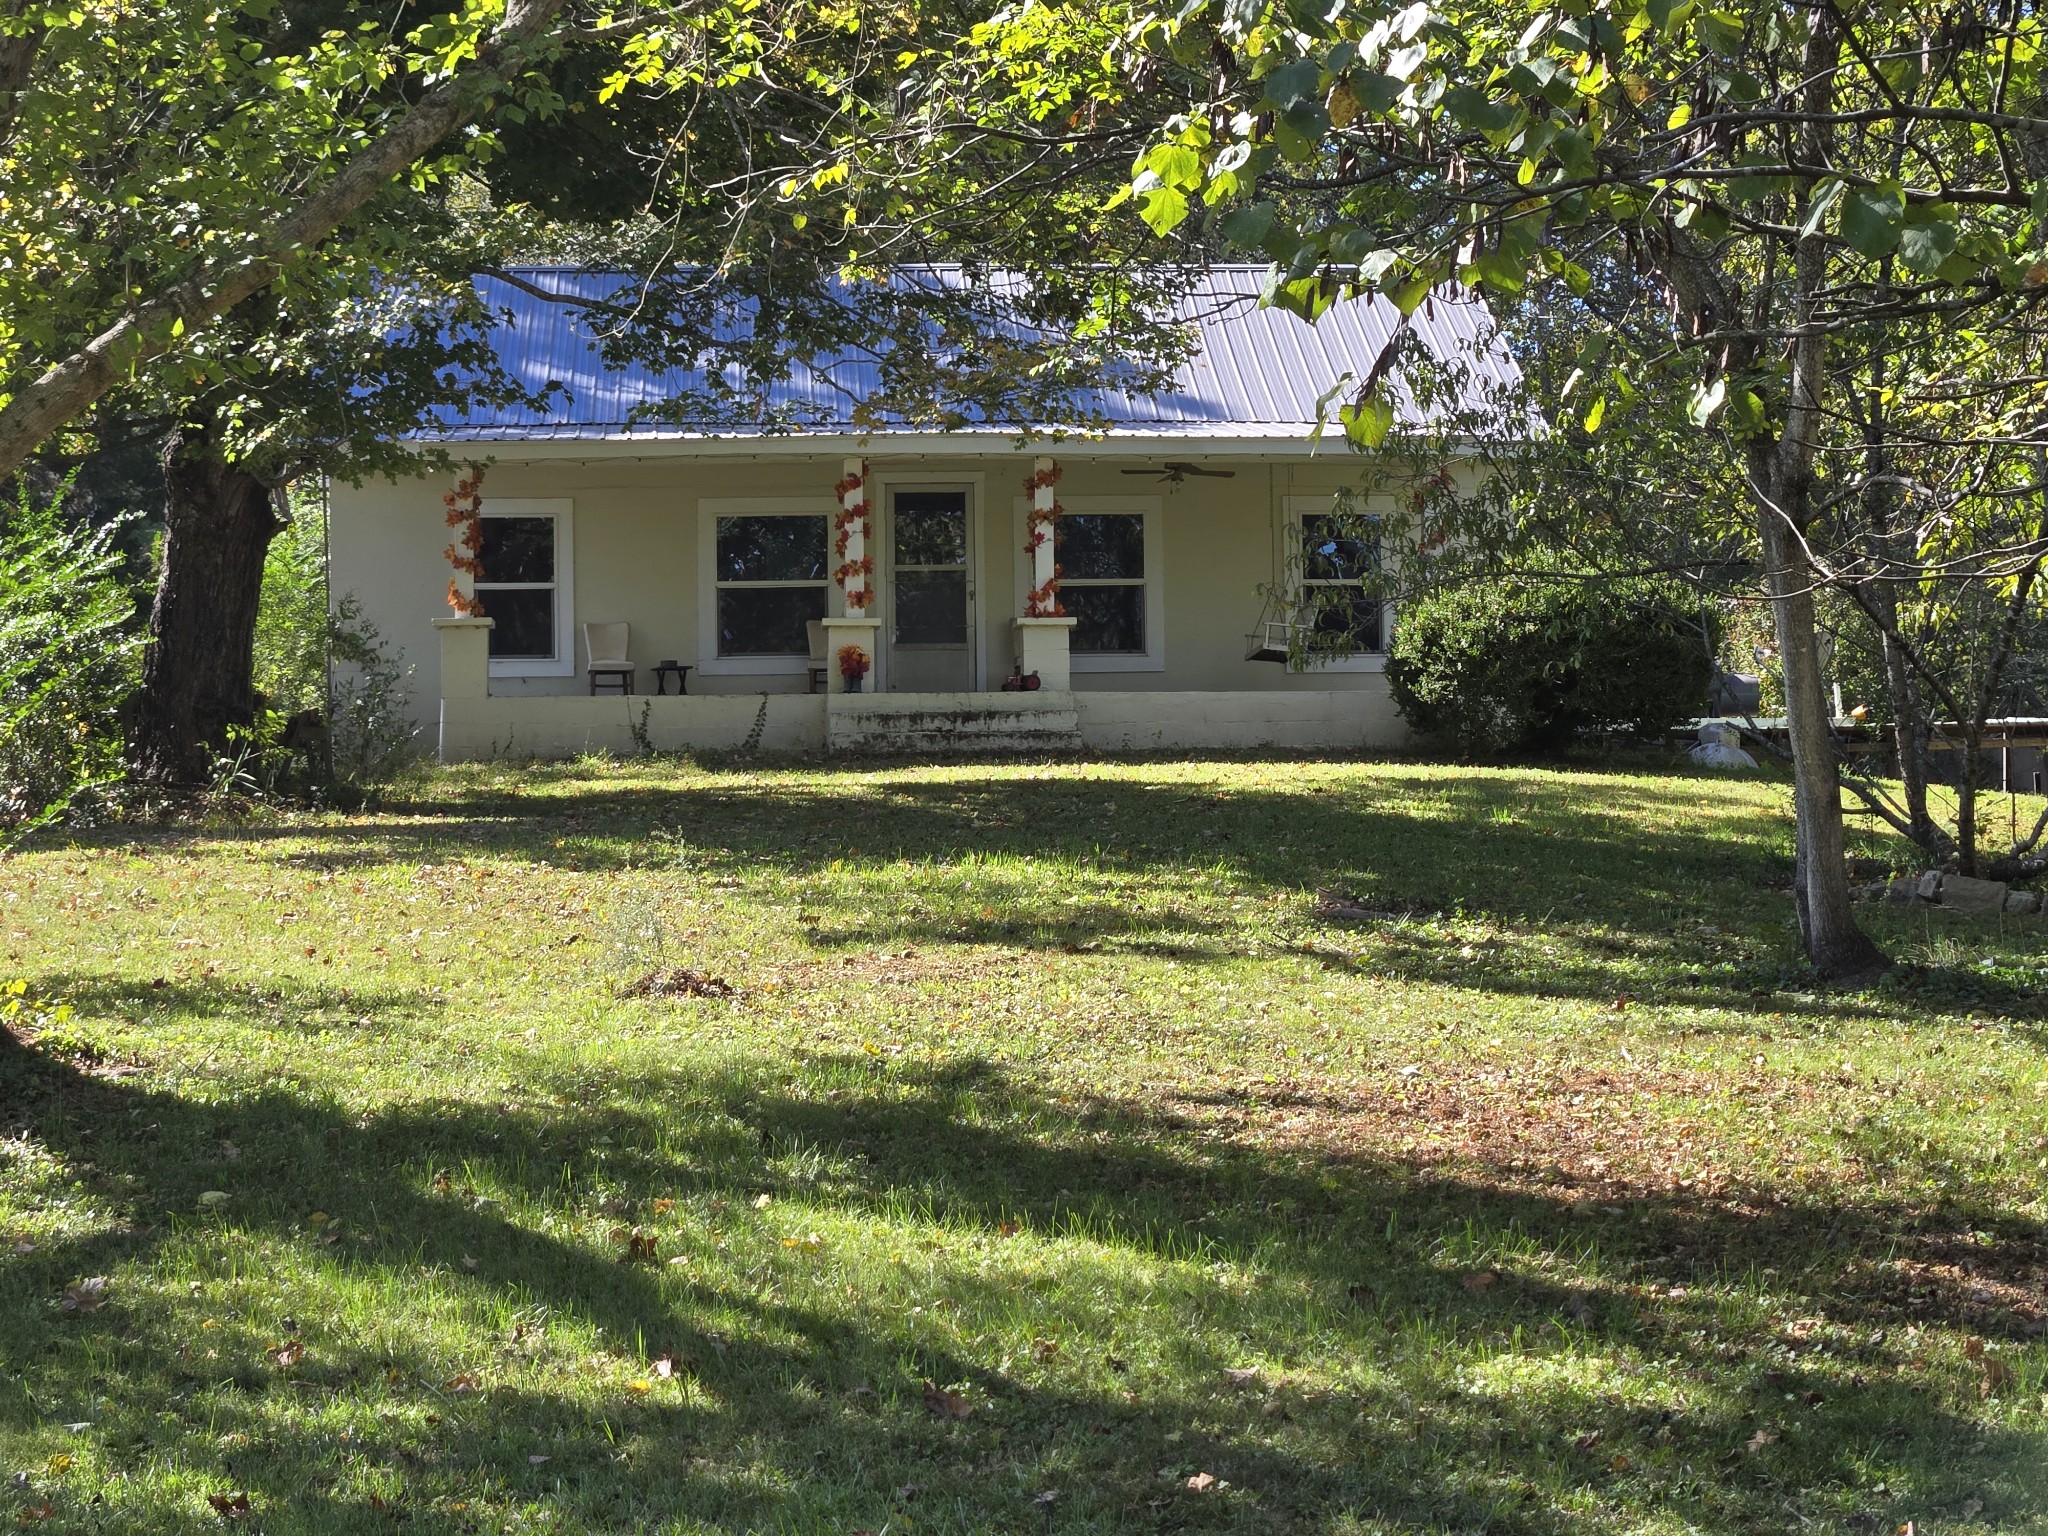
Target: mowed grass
[1054, 1167]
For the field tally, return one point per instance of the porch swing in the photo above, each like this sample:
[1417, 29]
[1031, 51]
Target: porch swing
[1272, 637]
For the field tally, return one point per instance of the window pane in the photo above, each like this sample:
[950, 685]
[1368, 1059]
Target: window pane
[1344, 611]
[767, 621]
[1103, 545]
[518, 549]
[931, 528]
[523, 621]
[771, 548]
[931, 607]
[1333, 550]
[1108, 619]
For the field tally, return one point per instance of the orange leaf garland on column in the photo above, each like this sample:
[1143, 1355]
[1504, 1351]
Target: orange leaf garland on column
[1043, 600]
[852, 530]
[465, 511]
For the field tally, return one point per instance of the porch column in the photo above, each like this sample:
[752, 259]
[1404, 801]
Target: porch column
[465, 657]
[1043, 631]
[855, 576]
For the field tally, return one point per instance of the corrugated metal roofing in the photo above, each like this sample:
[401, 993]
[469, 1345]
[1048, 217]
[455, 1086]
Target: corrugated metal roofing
[1253, 373]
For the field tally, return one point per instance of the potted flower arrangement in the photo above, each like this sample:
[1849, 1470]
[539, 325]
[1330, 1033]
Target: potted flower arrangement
[853, 666]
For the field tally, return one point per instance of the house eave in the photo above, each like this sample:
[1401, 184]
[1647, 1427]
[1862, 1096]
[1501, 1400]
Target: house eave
[1113, 444]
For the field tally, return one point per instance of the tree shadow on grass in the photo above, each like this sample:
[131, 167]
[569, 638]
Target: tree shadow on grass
[1503, 1407]
[1653, 903]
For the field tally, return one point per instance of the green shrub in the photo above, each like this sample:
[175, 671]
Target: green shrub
[69, 647]
[310, 656]
[1529, 664]
[291, 620]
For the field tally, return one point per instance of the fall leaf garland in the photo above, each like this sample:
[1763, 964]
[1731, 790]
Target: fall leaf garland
[853, 514]
[465, 511]
[1042, 602]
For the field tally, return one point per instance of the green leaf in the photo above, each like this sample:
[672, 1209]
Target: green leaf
[1870, 220]
[1720, 31]
[1291, 84]
[1706, 402]
[1248, 226]
[1596, 415]
[1367, 422]
[1162, 209]
[1929, 238]
[1475, 109]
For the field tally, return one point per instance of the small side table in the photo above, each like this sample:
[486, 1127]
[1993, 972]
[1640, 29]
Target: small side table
[664, 670]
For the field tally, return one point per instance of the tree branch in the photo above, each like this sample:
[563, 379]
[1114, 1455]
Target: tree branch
[149, 329]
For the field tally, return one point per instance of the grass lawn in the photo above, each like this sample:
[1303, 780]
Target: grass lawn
[1051, 1167]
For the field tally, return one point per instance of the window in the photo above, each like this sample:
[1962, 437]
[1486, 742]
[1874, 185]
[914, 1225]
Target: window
[769, 564]
[1102, 557]
[524, 587]
[1338, 553]
[928, 568]
[1110, 551]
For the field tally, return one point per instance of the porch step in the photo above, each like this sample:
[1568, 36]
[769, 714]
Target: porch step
[947, 723]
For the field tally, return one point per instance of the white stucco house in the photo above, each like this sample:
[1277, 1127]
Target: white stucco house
[745, 556]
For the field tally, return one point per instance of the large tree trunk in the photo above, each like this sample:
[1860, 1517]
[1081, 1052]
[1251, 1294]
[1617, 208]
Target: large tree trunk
[196, 672]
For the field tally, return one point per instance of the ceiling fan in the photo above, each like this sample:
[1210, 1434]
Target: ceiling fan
[1173, 472]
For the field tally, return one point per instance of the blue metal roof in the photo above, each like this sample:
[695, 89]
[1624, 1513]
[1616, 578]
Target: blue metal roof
[1252, 373]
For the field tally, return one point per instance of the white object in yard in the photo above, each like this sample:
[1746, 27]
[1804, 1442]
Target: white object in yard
[1718, 747]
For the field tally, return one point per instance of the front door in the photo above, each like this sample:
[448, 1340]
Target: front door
[931, 592]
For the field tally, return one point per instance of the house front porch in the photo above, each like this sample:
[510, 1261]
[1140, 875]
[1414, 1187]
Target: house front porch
[476, 725]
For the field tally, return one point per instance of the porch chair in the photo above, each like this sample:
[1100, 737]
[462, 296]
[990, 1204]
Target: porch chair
[607, 645]
[814, 631]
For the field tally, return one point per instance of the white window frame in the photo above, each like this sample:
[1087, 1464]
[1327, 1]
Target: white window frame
[1153, 510]
[1296, 508]
[563, 510]
[709, 510]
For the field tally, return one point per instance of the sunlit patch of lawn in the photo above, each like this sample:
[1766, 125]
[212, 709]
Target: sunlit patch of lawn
[1057, 1162]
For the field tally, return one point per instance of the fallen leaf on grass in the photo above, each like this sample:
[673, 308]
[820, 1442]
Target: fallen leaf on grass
[31, 1514]
[230, 1506]
[1759, 1440]
[668, 1365]
[946, 1403]
[289, 1353]
[1241, 1375]
[1480, 1282]
[1972, 1508]
[1579, 1309]
[1997, 1375]
[1007, 1229]
[640, 1247]
[663, 1206]
[1046, 1499]
[23, 1248]
[1202, 1482]
[1044, 1349]
[910, 1490]
[1620, 1463]
[538, 1461]
[87, 1295]
[468, 1381]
